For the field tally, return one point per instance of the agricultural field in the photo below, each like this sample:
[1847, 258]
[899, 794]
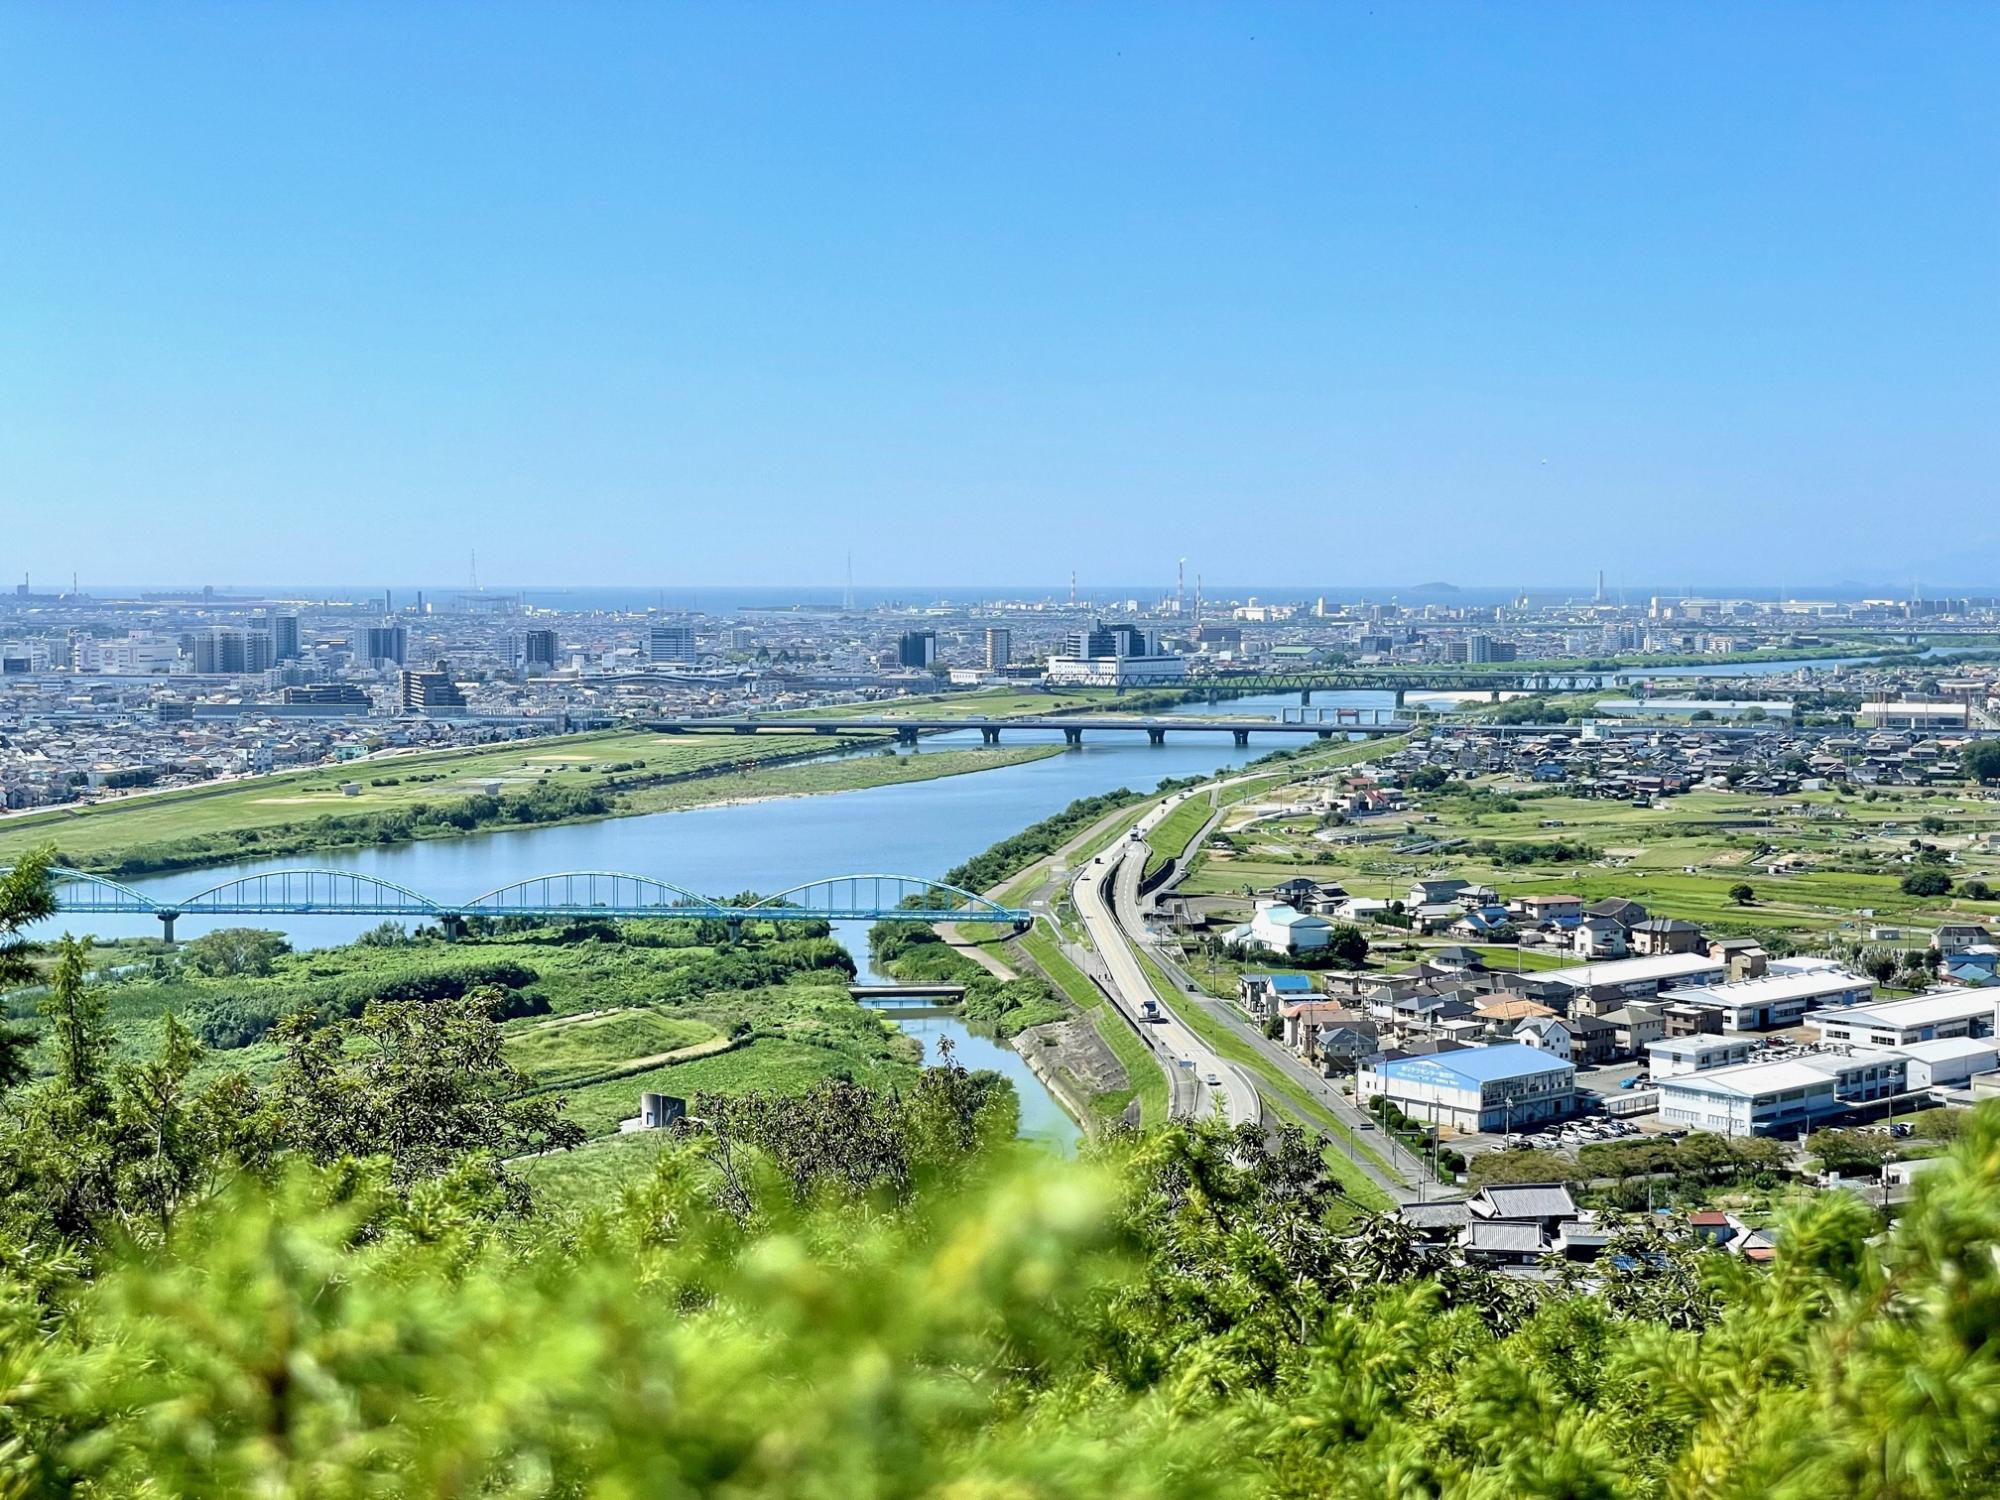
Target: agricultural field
[1815, 863]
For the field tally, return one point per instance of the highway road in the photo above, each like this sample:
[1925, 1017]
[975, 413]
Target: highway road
[1231, 1092]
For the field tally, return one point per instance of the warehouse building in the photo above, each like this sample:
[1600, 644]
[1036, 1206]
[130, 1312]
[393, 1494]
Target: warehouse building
[1610, 984]
[1776, 1000]
[1503, 1087]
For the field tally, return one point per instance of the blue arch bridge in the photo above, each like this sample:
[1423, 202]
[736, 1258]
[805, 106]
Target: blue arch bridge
[575, 893]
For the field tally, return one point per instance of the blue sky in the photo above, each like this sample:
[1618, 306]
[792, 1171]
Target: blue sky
[674, 294]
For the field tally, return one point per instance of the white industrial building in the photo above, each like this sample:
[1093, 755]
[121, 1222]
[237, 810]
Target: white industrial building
[1114, 671]
[1763, 1098]
[1917, 715]
[1898, 1023]
[1949, 1062]
[1773, 1001]
[1638, 978]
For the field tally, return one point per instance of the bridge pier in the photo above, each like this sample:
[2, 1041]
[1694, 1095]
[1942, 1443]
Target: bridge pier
[167, 926]
[906, 735]
[452, 925]
[989, 734]
[1072, 736]
[1156, 736]
[744, 728]
[735, 925]
[1494, 696]
[1399, 696]
[1326, 734]
[1305, 697]
[1242, 738]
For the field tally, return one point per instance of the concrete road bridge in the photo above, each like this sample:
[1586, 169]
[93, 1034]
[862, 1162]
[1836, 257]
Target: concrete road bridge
[1325, 725]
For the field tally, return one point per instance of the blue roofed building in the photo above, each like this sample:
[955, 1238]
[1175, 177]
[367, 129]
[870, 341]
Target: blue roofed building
[1262, 994]
[1503, 1087]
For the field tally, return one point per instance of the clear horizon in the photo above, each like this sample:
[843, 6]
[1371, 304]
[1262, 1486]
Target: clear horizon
[699, 292]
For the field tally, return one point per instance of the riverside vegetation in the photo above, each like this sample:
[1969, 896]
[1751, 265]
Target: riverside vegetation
[448, 793]
[343, 1282]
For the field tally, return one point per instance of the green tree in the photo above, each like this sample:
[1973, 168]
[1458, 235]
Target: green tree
[1980, 760]
[236, 952]
[27, 896]
[80, 1038]
[422, 1083]
[1927, 882]
[1742, 893]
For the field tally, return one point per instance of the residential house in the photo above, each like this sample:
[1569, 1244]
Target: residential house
[1550, 908]
[1627, 914]
[1597, 938]
[1956, 937]
[1435, 892]
[1664, 935]
[1261, 994]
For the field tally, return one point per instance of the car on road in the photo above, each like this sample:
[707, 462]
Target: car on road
[1213, 1080]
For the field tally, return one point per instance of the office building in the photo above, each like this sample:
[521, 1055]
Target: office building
[671, 645]
[535, 650]
[916, 648]
[382, 645]
[346, 694]
[1675, 1057]
[431, 692]
[999, 647]
[1110, 640]
[1791, 1094]
[1899, 1023]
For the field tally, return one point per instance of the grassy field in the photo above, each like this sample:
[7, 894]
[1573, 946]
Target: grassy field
[386, 783]
[1170, 837]
[570, 1050]
[735, 768]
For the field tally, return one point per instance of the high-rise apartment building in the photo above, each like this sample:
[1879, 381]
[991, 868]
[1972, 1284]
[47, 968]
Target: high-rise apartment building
[382, 643]
[431, 692]
[999, 647]
[284, 632]
[535, 650]
[224, 649]
[671, 645]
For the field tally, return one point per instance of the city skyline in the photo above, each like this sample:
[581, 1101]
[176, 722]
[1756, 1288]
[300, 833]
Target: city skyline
[699, 293]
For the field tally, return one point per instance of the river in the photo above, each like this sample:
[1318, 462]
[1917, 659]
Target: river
[920, 828]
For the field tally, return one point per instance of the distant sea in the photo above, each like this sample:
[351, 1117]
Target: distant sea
[722, 600]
